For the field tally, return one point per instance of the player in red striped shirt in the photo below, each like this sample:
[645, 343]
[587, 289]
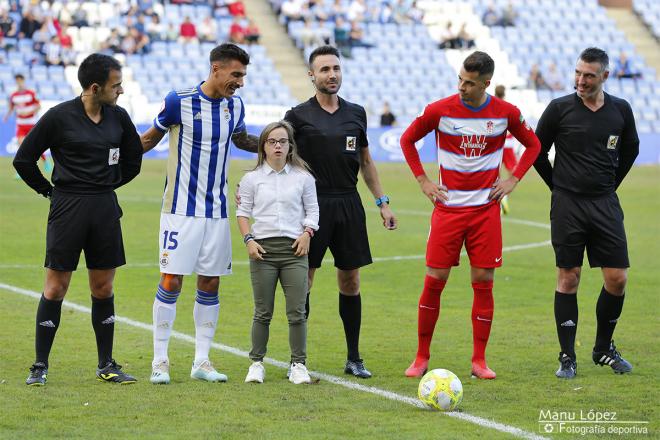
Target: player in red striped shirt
[470, 129]
[25, 103]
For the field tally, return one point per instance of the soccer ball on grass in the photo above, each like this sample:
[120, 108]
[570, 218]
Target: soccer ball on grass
[440, 389]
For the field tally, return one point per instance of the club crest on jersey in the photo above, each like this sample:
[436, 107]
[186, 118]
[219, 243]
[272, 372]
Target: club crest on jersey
[611, 142]
[113, 156]
[227, 115]
[164, 260]
[473, 145]
[489, 127]
[351, 143]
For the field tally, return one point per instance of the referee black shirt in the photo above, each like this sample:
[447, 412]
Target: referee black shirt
[330, 143]
[593, 150]
[90, 158]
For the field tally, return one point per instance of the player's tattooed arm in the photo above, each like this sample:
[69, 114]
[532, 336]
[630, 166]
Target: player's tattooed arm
[150, 139]
[245, 141]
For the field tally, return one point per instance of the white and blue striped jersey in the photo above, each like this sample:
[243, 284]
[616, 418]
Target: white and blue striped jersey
[200, 130]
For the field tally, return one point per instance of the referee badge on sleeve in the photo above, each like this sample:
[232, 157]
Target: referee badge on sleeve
[113, 156]
[611, 142]
[351, 143]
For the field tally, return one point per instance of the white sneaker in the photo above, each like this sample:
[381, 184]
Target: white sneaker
[299, 374]
[205, 371]
[256, 373]
[160, 373]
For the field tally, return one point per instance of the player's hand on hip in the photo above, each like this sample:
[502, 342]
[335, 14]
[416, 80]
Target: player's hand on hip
[301, 245]
[255, 251]
[389, 221]
[434, 191]
[502, 188]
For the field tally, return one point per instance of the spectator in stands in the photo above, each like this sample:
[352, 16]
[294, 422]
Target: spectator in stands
[291, 10]
[29, 25]
[187, 31]
[80, 17]
[356, 36]
[65, 39]
[491, 17]
[415, 14]
[387, 118]
[208, 30]
[338, 10]
[384, 14]
[155, 29]
[309, 38]
[40, 37]
[113, 44]
[536, 80]
[509, 16]
[252, 33]
[320, 11]
[464, 38]
[449, 38]
[342, 37]
[356, 10]
[553, 78]
[53, 52]
[623, 68]
[6, 22]
[237, 31]
[324, 33]
[172, 33]
[236, 8]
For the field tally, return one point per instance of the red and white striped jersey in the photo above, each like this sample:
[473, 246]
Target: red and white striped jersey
[470, 142]
[26, 105]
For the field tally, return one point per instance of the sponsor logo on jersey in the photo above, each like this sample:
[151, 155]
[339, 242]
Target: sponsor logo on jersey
[351, 143]
[198, 116]
[611, 142]
[473, 145]
[113, 156]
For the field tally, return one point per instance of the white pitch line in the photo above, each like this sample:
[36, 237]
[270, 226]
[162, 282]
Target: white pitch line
[486, 423]
[517, 247]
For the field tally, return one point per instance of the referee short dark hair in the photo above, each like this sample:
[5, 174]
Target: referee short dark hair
[480, 62]
[96, 69]
[227, 52]
[596, 55]
[322, 50]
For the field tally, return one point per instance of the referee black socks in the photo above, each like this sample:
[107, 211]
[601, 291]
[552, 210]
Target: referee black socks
[608, 310]
[103, 321]
[566, 318]
[48, 320]
[350, 311]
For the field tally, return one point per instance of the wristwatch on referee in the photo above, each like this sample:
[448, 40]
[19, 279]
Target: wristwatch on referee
[381, 200]
[309, 231]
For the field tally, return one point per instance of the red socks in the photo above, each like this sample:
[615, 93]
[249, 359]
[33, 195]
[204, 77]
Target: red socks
[428, 312]
[482, 317]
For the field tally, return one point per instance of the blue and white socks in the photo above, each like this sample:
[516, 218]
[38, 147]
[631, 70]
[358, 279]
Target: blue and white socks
[164, 313]
[205, 312]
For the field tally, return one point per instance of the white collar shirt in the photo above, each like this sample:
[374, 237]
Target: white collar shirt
[282, 203]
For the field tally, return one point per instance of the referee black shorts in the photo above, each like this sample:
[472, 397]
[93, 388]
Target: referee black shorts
[84, 222]
[595, 224]
[343, 229]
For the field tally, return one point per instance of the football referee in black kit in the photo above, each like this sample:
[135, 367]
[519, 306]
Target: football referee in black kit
[96, 149]
[596, 144]
[331, 135]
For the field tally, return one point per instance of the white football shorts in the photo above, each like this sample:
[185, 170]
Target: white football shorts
[194, 244]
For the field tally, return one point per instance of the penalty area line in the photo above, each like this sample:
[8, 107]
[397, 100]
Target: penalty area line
[480, 421]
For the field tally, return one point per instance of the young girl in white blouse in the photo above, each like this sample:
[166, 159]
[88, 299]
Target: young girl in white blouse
[280, 195]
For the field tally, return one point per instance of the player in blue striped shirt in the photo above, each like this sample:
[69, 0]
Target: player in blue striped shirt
[194, 228]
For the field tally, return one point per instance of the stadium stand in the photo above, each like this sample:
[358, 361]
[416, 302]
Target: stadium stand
[402, 55]
[649, 12]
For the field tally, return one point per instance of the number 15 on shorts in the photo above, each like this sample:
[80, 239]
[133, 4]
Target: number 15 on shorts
[169, 240]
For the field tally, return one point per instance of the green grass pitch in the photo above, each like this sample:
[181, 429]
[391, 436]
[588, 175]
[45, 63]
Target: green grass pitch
[522, 350]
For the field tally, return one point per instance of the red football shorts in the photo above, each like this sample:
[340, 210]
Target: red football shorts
[480, 229]
[23, 130]
[509, 159]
